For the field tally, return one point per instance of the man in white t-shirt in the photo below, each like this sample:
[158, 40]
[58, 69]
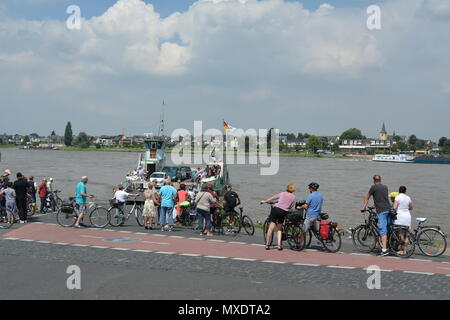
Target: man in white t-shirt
[403, 205]
[121, 197]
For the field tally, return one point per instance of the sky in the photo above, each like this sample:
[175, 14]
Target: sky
[300, 66]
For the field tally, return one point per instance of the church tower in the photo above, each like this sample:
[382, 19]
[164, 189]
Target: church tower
[383, 133]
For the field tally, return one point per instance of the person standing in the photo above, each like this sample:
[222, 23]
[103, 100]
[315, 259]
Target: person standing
[80, 200]
[168, 198]
[2, 199]
[150, 206]
[204, 199]
[21, 187]
[313, 206]
[33, 190]
[403, 206]
[286, 201]
[121, 197]
[10, 197]
[42, 192]
[183, 196]
[380, 195]
[231, 201]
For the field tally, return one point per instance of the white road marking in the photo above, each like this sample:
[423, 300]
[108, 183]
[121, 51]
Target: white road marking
[190, 254]
[79, 245]
[11, 238]
[27, 240]
[424, 260]
[214, 240]
[61, 243]
[341, 267]
[196, 238]
[145, 251]
[307, 264]
[311, 250]
[159, 235]
[256, 244]
[176, 237]
[384, 270]
[243, 259]
[151, 242]
[42, 241]
[121, 249]
[272, 261]
[99, 247]
[417, 272]
[88, 236]
[125, 231]
[360, 254]
[237, 242]
[163, 252]
[216, 257]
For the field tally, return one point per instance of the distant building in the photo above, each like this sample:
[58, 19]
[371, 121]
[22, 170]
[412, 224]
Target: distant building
[383, 133]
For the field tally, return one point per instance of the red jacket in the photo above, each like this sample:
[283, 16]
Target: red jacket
[42, 190]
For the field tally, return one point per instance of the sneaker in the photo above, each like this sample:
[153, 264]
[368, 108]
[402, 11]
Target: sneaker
[209, 234]
[162, 229]
[384, 253]
[77, 226]
[170, 230]
[21, 221]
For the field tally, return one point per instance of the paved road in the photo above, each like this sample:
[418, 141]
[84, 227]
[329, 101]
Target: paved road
[163, 267]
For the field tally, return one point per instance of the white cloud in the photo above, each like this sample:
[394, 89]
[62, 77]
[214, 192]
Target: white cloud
[222, 53]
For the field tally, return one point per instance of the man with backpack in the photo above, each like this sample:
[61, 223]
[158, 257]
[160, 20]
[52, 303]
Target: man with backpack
[231, 201]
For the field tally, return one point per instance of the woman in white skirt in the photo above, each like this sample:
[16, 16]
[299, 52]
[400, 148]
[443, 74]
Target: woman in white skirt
[403, 206]
[150, 206]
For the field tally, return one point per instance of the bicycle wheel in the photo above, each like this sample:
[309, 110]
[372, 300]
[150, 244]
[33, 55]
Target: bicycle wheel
[31, 210]
[116, 216]
[431, 242]
[139, 216]
[296, 238]
[99, 217]
[402, 242]
[364, 239]
[66, 219]
[236, 224]
[247, 223]
[333, 242]
[265, 229]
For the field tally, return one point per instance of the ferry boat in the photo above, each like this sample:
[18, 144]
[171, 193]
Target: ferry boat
[432, 159]
[398, 158]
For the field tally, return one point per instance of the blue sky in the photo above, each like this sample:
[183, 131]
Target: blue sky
[55, 9]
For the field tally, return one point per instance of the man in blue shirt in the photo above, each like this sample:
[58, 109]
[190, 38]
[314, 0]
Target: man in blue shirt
[313, 206]
[80, 200]
[168, 198]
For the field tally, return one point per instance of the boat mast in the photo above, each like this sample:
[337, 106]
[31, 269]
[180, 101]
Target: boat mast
[161, 123]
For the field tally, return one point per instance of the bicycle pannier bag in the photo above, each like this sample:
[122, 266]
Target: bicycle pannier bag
[324, 230]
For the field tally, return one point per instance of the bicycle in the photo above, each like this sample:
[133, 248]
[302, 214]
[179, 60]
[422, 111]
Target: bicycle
[401, 242]
[235, 223]
[291, 230]
[187, 219]
[68, 214]
[52, 201]
[332, 242]
[430, 238]
[118, 216]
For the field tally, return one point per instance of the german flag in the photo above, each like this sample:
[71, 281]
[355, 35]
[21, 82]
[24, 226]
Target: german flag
[227, 127]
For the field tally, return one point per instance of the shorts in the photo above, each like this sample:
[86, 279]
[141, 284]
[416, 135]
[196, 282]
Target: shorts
[82, 208]
[383, 221]
[308, 223]
[277, 215]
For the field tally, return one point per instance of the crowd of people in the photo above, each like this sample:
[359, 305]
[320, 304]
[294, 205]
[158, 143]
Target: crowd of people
[163, 207]
[385, 205]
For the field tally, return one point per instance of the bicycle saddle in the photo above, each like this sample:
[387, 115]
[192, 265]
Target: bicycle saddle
[421, 219]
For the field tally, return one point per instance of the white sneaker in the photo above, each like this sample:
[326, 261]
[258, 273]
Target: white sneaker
[21, 221]
[77, 226]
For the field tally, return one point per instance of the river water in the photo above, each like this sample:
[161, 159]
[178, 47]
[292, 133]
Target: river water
[343, 182]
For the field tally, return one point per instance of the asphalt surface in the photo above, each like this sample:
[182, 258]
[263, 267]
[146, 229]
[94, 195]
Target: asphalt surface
[38, 271]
